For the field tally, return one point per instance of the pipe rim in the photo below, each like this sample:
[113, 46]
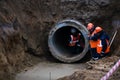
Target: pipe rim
[56, 53]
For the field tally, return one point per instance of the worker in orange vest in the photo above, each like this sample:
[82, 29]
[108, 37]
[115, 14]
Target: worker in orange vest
[93, 42]
[74, 41]
[102, 46]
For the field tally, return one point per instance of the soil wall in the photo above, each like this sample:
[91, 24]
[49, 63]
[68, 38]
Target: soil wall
[25, 24]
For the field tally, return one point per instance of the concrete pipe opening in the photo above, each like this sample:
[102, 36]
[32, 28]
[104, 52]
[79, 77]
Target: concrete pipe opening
[59, 37]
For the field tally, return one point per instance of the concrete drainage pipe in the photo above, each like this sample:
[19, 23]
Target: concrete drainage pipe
[59, 39]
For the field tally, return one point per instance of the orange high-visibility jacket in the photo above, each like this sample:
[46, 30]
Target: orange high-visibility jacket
[93, 44]
[74, 39]
[99, 47]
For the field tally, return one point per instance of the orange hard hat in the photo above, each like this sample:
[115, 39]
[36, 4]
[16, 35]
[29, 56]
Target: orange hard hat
[98, 29]
[90, 26]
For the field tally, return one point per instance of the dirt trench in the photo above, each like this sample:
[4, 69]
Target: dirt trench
[25, 24]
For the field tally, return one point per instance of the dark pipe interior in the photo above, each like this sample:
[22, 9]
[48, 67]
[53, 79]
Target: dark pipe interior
[61, 41]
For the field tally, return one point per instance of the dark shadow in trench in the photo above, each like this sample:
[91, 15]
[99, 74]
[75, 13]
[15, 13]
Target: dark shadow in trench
[61, 40]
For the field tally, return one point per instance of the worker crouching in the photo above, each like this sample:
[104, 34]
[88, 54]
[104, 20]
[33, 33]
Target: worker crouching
[102, 43]
[75, 41]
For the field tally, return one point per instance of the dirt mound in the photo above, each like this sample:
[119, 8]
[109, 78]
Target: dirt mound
[95, 70]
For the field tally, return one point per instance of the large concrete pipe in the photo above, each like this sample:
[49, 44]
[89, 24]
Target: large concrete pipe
[58, 41]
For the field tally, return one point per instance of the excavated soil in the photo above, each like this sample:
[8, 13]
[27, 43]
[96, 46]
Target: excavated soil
[25, 25]
[91, 70]
[95, 70]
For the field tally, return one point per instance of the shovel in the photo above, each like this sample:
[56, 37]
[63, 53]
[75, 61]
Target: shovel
[116, 25]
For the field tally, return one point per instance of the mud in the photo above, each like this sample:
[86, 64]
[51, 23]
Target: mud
[91, 70]
[49, 71]
[95, 70]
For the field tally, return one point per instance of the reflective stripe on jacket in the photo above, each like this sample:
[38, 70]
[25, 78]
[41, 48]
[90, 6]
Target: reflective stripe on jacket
[100, 46]
[74, 40]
